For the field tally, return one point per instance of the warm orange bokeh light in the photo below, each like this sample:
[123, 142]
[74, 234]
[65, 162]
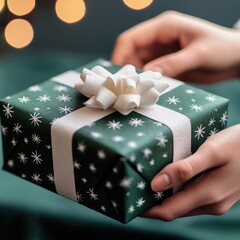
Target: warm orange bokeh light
[2, 4]
[137, 4]
[70, 11]
[21, 7]
[19, 33]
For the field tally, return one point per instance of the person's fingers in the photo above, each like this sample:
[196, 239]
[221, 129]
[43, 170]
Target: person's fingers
[177, 173]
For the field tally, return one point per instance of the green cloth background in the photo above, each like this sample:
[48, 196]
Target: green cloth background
[31, 212]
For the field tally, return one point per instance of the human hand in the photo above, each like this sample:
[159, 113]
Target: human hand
[181, 46]
[214, 192]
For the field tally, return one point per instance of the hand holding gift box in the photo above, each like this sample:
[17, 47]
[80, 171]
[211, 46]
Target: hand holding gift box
[101, 158]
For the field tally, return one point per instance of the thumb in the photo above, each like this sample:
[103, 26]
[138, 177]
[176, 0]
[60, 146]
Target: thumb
[176, 63]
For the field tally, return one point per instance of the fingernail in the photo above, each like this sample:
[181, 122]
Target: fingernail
[154, 69]
[161, 182]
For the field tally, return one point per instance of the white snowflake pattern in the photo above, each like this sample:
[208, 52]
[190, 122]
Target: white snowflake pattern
[36, 178]
[103, 208]
[43, 98]
[84, 180]
[60, 88]
[36, 157]
[81, 147]
[118, 139]
[79, 197]
[140, 134]
[152, 162]
[141, 185]
[108, 185]
[92, 195]
[90, 125]
[211, 98]
[189, 91]
[132, 144]
[101, 154]
[158, 195]
[36, 109]
[65, 110]
[25, 140]
[36, 138]
[165, 155]
[211, 122]
[158, 124]
[132, 158]
[8, 110]
[35, 119]
[14, 142]
[24, 99]
[22, 157]
[213, 132]
[196, 107]
[63, 98]
[92, 168]
[126, 182]
[35, 88]
[17, 128]
[50, 177]
[223, 119]
[140, 202]
[10, 163]
[147, 152]
[114, 125]
[131, 209]
[53, 120]
[135, 122]
[76, 164]
[173, 100]
[4, 130]
[162, 139]
[96, 135]
[140, 167]
[199, 132]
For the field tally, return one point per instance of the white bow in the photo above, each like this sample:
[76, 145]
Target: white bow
[124, 90]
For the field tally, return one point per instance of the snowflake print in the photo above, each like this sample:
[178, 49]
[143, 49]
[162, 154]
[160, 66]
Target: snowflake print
[76, 164]
[35, 119]
[16, 128]
[92, 168]
[25, 140]
[64, 98]
[108, 185]
[189, 91]
[118, 139]
[158, 195]
[114, 125]
[126, 182]
[96, 135]
[223, 119]
[36, 109]
[140, 134]
[35, 88]
[132, 144]
[199, 132]
[213, 132]
[8, 110]
[10, 163]
[158, 124]
[22, 157]
[135, 122]
[92, 195]
[152, 162]
[14, 142]
[196, 107]
[211, 98]
[131, 209]
[162, 140]
[84, 180]
[4, 130]
[147, 152]
[103, 208]
[65, 110]
[36, 138]
[165, 155]
[141, 185]
[60, 88]
[79, 197]
[140, 167]
[173, 100]
[101, 154]
[81, 147]
[36, 178]
[114, 204]
[90, 125]
[53, 120]
[50, 178]
[43, 98]
[211, 122]
[24, 99]
[36, 157]
[140, 202]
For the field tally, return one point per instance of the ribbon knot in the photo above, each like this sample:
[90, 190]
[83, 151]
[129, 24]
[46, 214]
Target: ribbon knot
[124, 90]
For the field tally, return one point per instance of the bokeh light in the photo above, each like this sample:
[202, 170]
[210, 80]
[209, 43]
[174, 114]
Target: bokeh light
[19, 33]
[21, 7]
[70, 11]
[138, 4]
[2, 4]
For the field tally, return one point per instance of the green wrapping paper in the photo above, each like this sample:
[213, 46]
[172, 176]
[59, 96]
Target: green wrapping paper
[114, 158]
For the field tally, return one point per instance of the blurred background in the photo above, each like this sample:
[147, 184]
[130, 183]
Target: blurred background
[40, 39]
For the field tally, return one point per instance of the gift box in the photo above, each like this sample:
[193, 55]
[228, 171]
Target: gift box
[103, 159]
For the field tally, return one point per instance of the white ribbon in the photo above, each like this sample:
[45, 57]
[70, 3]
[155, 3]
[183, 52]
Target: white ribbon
[124, 91]
[62, 131]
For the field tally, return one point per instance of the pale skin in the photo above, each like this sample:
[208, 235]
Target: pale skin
[190, 49]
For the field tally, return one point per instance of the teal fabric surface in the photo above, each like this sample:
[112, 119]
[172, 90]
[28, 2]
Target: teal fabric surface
[30, 212]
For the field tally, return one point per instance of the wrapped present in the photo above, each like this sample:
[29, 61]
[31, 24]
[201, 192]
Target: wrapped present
[101, 158]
